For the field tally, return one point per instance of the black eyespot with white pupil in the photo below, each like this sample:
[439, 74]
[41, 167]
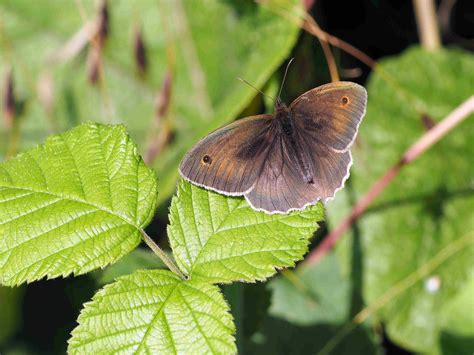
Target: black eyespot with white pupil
[206, 159]
[344, 100]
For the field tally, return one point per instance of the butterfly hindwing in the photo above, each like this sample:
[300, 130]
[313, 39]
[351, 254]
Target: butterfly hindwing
[280, 187]
[331, 170]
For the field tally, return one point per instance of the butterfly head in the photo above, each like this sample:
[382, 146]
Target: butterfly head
[280, 107]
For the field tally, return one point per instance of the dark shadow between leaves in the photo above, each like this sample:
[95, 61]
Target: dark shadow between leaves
[281, 337]
[455, 344]
[357, 273]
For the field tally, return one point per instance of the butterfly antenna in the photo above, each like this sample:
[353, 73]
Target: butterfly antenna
[284, 76]
[253, 87]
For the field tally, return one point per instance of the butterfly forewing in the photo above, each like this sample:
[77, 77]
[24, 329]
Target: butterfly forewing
[331, 113]
[230, 159]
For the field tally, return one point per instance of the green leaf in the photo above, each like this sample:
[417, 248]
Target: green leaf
[251, 42]
[427, 209]
[155, 312]
[222, 239]
[72, 205]
[312, 294]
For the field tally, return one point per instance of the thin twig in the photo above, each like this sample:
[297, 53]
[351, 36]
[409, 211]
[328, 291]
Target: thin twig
[330, 60]
[336, 338]
[312, 27]
[427, 23]
[161, 254]
[308, 4]
[75, 44]
[309, 24]
[419, 147]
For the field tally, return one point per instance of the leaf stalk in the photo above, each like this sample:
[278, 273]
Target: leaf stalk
[162, 255]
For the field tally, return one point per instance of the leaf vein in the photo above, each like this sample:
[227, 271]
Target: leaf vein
[76, 169]
[71, 198]
[198, 325]
[155, 317]
[32, 238]
[61, 250]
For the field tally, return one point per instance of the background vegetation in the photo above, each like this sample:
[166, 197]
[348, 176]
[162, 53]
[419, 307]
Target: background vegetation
[399, 279]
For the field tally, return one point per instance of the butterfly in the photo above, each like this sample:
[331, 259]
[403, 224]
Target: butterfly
[287, 160]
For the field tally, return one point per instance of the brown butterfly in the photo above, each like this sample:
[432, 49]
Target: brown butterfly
[285, 161]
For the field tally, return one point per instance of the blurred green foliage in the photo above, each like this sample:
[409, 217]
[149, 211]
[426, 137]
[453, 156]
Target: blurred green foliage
[203, 46]
[307, 296]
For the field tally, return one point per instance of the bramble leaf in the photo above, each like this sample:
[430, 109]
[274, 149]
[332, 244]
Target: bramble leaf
[74, 204]
[222, 239]
[155, 312]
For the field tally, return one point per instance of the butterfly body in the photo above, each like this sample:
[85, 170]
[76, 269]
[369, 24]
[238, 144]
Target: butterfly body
[284, 120]
[285, 161]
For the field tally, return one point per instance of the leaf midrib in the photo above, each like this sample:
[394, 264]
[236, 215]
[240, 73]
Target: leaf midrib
[198, 325]
[72, 199]
[219, 230]
[155, 317]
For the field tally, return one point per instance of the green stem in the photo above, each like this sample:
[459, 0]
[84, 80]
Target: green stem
[161, 254]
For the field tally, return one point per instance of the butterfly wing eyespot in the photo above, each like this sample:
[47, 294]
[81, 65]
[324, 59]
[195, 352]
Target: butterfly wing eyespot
[344, 100]
[206, 159]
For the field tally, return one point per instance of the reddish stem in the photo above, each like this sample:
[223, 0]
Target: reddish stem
[160, 130]
[419, 147]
